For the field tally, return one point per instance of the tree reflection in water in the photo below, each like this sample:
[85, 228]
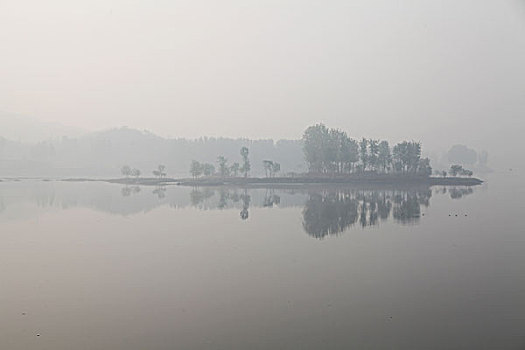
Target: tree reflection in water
[271, 199]
[160, 191]
[197, 197]
[332, 213]
[329, 213]
[457, 193]
[126, 191]
[245, 197]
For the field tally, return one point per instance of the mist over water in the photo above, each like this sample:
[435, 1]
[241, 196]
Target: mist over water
[97, 264]
[262, 174]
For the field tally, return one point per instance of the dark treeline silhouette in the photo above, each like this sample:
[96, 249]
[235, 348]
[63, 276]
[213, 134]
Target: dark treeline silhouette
[332, 151]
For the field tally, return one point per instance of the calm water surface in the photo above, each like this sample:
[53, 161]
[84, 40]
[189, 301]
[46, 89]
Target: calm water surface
[104, 266]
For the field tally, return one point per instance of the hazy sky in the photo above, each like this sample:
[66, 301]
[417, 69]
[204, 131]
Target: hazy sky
[421, 69]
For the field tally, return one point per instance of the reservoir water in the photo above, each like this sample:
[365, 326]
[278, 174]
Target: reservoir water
[93, 265]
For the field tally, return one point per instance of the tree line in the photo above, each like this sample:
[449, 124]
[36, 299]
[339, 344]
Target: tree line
[128, 171]
[328, 151]
[332, 151]
[224, 170]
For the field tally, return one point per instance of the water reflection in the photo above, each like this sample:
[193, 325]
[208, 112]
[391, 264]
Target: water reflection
[325, 211]
[160, 191]
[129, 190]
[331, 213]
[245, 197]
[455, 192]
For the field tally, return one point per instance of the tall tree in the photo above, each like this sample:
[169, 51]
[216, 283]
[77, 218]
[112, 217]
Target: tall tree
[363, 152]
[161, 169]
[195, 169]
[208, 169]
[245, 169]
[373, 158]
[125, 170]
[331, 151]
[424, 167]
[407, 156]
[234, 169]
[384, 156]
[455, 169]
[349, 153]
[223, 166]
[268, 166]
[315, 139]
[414, 150]
[135, 172]
[276, 167]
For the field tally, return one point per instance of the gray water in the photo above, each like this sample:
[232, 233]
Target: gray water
[103, 266]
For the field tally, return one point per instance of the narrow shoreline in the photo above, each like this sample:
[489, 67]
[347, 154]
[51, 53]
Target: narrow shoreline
[296, 181]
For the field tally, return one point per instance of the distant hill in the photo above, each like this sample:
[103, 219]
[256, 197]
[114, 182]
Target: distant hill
[102, 154]
[22, 128]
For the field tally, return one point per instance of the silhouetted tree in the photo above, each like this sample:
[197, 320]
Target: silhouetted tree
[313, 139]
[234, 169]
[455, 169]
[384, 156]
[407, 156]
[267, 165]
[424, 167]
[224, 170]
[125, 170]
[329, 150]
[373, 155]
[363, 152]
[135, 172]
[245, 169]
[195, 169]
[332, 151]
[276, 167]
[467, 172]
[160, 171]
[208, 169]
[349, 153]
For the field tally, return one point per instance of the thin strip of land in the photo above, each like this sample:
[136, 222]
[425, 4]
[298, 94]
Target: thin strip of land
[382, 179]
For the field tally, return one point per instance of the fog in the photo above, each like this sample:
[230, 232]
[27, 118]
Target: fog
[262, 174]
[444, 73]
